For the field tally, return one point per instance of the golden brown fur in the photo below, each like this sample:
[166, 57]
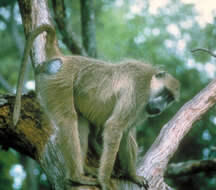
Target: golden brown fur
[111, 97]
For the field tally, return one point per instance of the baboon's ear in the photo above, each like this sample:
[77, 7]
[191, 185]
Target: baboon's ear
[160, 74]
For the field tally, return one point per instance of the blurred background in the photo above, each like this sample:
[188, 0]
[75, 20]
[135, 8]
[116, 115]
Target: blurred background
[159, 32]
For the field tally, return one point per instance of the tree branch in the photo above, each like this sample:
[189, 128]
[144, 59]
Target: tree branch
[31, 126]
[88, 27]
[204, 50]
[42, 147]
[190, 167]
[32, 131]
[68, 37]
[154, 164]
[35, 13]
[18, 41]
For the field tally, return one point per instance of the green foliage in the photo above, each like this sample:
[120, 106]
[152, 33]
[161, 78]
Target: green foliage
[165, 40]
[7, 159]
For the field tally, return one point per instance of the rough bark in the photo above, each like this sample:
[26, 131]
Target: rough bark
[31, 133]
[154, 163]
[48, 155]
[35, 13]
[35, 136]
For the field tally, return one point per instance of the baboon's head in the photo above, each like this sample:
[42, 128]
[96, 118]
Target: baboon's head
[164, 90]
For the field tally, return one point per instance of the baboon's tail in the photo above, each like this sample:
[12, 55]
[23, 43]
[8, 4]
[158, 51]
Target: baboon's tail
[29, 41]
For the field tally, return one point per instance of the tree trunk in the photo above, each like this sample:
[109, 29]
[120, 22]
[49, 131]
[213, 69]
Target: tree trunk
[35, 13]
[154, 163]
[35, 135]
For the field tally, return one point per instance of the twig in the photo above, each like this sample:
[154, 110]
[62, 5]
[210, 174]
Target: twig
[204, 50]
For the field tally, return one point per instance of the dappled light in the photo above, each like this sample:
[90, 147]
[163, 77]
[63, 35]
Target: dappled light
[161, 33]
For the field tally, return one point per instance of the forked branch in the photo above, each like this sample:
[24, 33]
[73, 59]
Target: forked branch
[154, 164]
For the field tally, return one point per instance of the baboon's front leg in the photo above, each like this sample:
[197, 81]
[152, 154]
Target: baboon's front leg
[127, 155]
[69, 143]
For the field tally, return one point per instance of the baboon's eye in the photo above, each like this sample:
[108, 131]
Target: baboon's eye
[160, 74]
[168, 95]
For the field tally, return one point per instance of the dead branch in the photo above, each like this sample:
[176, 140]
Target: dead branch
[190, 167]
[204, 50]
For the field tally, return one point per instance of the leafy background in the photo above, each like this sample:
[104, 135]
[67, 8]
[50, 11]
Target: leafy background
[161, 33]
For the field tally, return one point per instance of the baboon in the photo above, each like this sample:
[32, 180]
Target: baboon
[111, 97]
[125, 163]
[54, 79]
[114, 100]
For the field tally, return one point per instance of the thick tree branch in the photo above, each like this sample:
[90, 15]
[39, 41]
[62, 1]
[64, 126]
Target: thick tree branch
[154, 164]
[190, 167]
[48, 152]
[35, 13]
[68, 37]
[33, 131]
[30, 135]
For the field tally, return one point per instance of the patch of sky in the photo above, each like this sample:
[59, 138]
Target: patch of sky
[140, 38]
[30, 85]
[17, 15]
[206, 135]
[206, 153]
[2, 26]
[213, 119]
[18, 174]
[174, 30]
[5, 12]
[205, 9]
